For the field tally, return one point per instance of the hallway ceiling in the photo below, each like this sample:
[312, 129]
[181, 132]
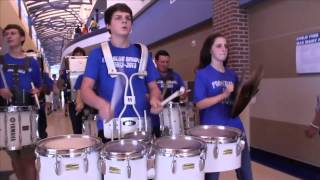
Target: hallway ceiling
[55, 20]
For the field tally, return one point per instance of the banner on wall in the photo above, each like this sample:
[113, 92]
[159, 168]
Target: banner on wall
[308, 53]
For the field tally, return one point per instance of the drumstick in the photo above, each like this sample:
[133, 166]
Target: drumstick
[174, 95]
[4, 80]
[35, 96]
[116, 94]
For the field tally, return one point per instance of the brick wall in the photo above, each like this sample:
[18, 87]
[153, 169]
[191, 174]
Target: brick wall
[232, 21]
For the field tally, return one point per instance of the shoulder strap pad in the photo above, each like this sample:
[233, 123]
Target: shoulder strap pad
[143, 58]
[108, 58]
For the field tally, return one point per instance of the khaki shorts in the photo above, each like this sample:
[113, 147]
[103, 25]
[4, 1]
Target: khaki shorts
[26, 152]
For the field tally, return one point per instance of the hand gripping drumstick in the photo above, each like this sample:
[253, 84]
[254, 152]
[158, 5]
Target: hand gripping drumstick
[35, 96]
[174, 95]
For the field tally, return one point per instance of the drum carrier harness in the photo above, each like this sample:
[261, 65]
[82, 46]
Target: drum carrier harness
[20, 97]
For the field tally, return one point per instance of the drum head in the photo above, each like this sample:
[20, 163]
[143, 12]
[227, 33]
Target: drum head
[124, 149]
[67, 145]
[179, 145]
[211, 133]
[141, 136]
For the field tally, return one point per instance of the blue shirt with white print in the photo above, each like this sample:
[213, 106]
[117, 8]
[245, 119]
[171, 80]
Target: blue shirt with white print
[126, 60]
[208, 83]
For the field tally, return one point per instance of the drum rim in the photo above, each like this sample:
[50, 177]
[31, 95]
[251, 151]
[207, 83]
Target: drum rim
[48, 152]
[169, 152]
[123, 156]
[132, 134]
[221, 140]
[17, 108]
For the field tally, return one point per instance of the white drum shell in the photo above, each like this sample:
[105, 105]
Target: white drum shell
[171, 118]
[183, 170]
[117, 170]
[18, 129]
[71, 168]
[226, 160]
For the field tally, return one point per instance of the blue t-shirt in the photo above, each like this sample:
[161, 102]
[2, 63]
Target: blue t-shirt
[126, 60]
[25, 78]
[208, 83]
[173, 82]
[78, 83]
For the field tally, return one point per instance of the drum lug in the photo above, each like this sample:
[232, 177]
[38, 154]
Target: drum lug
[128, 168]
[58, 166]
[102, 166]
[202, 161]
[38, 163]
[216, 150]
[240, 147]
[173, 165]
[86, 163]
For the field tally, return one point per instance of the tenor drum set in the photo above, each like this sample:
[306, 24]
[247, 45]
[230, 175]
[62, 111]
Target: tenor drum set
[184, 151]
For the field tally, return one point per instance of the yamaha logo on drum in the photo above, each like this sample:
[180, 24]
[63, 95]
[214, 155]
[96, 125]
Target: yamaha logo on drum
[129, 123]
[227, 151]
[13, 133]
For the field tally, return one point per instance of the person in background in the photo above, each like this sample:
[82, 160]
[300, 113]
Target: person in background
[84, 29]
[93, 25]
[19, 82]
[168, 83]
[46, 89]
[77, 32]
[314, 127]
[56, 94]
[214, 84]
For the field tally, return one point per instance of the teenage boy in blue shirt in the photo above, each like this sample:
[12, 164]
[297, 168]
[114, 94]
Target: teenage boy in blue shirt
[126, 57]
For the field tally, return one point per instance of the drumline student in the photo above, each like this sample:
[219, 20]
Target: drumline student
[118, 19]
[168, 83]
[46, 89]
[19, 83]
[214, 85]
[75, 114]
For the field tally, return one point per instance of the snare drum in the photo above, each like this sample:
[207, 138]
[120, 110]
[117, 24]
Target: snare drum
[179, 157]
[68, 157]
[171, 120]
[224, 146]
[18, 126]
[123, 160]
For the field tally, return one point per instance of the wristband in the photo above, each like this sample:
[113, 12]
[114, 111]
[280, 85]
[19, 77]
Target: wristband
[315, 126]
